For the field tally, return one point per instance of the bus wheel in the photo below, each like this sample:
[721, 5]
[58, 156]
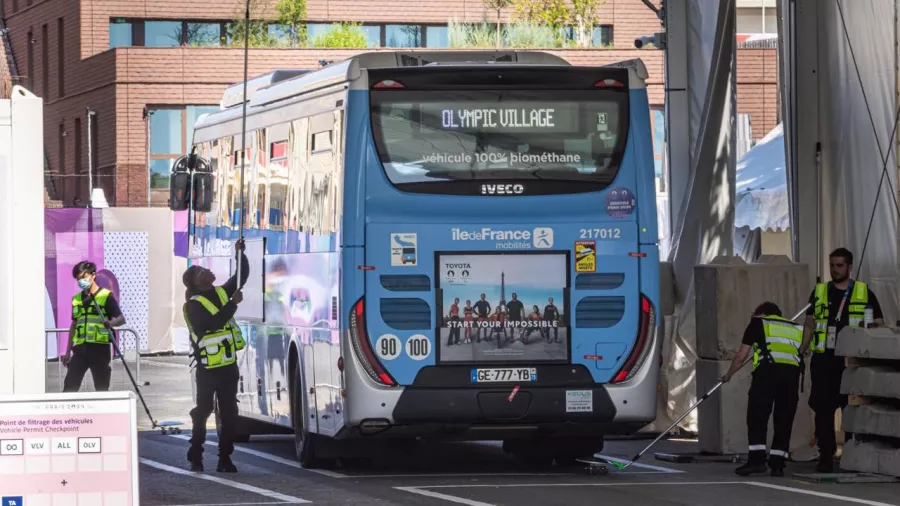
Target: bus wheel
[304, 442]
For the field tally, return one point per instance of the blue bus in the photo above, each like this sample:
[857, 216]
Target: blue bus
[456, 245]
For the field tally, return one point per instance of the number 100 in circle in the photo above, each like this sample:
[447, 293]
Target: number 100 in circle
[418, 347]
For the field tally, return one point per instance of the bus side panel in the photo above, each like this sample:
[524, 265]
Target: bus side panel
[641, 146]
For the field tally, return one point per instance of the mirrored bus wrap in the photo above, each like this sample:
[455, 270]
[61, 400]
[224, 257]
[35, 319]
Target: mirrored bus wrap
[457, 245]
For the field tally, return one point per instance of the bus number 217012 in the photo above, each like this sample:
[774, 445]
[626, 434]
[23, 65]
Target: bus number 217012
[601, 233]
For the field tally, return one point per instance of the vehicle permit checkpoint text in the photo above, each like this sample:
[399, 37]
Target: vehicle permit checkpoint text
[80, 448]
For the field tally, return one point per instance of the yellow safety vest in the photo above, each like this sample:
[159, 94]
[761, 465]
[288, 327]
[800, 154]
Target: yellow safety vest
[855, 307]
[89, 326]
[783, 340]
[218, 348]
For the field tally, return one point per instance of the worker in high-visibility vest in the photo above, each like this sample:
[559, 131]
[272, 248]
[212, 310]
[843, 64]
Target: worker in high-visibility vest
[842, 302]
[90, 333]
[775, 342]
[215, 340]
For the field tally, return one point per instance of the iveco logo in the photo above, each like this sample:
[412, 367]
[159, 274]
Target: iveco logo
[502, 189]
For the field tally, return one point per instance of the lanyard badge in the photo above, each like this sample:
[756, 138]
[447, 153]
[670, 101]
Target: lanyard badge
[831, 338]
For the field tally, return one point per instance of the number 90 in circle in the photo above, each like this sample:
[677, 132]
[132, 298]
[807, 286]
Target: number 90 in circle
[418, 347]
[388, 347]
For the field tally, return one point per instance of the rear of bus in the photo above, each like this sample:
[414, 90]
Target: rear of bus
[505, 282]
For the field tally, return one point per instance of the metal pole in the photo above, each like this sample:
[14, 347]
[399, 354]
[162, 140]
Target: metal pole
[89, 117]
[244, 131]
[149, 171]
[818, 212]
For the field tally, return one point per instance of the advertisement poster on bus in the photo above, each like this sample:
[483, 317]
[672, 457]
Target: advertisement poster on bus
[503, 308]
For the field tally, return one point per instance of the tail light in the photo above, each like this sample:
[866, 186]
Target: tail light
[359, 339]
[388, 84]
[609, 83]
[642, 347]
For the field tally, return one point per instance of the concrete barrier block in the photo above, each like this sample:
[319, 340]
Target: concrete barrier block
[725, 296]
[875, 419]
[773, 259]
[722, 418]
[871, 457]
[872, 381]
[882, 342]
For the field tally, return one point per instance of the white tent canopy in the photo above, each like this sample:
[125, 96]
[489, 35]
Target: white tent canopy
[761, 187]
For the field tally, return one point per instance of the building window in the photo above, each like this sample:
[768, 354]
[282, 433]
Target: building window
[603, 36]
[78, 161]
[403, 36]
[61, 56]
[120, 34]
[30, 51]
[203, 34]
[163, 33]
[45, 61]
[171, 132]
[436, 36]
[94, 139]
[373, 35]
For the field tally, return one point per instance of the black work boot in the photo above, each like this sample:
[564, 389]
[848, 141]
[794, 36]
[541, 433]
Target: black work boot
[226, 465]
[751, 468]
[776, 464]
[756, 464]
[195, 458]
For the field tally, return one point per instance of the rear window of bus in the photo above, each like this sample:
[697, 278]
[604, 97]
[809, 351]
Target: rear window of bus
[443, 136]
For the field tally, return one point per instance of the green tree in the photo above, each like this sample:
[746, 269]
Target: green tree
[259, 28]
[342, 35]
[552, 13]
[292, 14]
[584, 15]
[497, 6]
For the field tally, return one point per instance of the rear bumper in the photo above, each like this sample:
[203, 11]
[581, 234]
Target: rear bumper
[490, 406]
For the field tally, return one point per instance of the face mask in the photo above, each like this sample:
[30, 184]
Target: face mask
[84, 283]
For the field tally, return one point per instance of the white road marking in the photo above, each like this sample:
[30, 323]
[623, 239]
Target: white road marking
[274, 458]
[818, 494]
[445, 497]
[233, 504]
[228, 483]
[477, 475]
[587, 484]
[645, 466]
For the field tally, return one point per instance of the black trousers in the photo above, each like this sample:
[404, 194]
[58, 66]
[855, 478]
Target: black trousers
[774, 388]
[826, 370]
[97, 358]
[215, 385]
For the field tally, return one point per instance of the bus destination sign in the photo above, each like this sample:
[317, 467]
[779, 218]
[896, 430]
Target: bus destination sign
[525, 117]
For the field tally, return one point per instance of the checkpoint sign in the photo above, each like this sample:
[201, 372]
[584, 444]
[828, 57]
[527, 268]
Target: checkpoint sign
[80, 448]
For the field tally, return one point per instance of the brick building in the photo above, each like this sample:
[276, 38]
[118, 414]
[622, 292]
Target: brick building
[118, 76]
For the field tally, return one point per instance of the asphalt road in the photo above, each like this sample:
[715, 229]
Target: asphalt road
[474, 474]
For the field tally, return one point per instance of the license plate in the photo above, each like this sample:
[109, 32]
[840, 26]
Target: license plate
[517, 374]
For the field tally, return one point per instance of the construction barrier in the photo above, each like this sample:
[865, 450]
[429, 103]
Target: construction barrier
[872, 382]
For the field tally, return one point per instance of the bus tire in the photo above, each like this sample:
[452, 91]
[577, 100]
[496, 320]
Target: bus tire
[304, 441]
